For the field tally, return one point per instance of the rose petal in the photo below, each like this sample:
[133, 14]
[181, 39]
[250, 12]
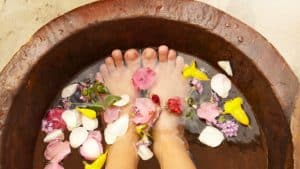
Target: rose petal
[78, 136]
[124, 101]
[91, 149]
[111, 114]
[54, 135]
[209, 111]
[145, 111]
[89, 124]
[221, 85]
[57, 151]
[116, 129]
[69, 90]
[71, 118]
[225, 65]
[144, 152]
[53, 166]
[143, 78]
[211, 136]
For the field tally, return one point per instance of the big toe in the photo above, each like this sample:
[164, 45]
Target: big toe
[149, 57]
[132, 59]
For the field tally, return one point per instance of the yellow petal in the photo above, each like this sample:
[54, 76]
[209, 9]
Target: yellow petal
[193, 71]
[97, 164]
[140, 129]
[234, 108]
[87, 112]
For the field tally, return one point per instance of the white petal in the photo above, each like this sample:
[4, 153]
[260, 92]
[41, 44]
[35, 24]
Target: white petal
[144, 152]
[69, 90]
[56, 134]
[88, 123]
[71, 118]
[225, 65]
[211, 136]
[221, 85]
[116, 129]
[78, 137]
[124, 100]
[90, 149]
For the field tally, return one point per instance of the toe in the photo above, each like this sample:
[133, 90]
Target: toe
[117, 56]
[132, 59]
[104, 71]
[110, 64]
[149, 57]
[171, 58]
[163, 53]
[179, 63]
[98, 77]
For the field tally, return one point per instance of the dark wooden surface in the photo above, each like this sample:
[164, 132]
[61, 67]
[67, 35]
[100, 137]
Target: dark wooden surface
[69, 43]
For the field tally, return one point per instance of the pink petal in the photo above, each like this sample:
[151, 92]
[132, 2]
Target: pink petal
[209, 111]
[95, 135]
[111, 114]
[145, 110]
[143, 78]
[53, 166]
[91, 149]
[57, 151]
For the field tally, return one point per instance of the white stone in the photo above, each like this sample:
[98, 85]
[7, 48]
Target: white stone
[225, 65]
[69, 90]
[211, 136]
[221, 85]
[144, 152]
[55, 134]
[123, 101]
[77, 137]
[116, 129]
[88, 123]
[72, 118]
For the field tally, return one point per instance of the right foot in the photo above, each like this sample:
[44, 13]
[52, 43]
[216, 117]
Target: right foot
[168, 146]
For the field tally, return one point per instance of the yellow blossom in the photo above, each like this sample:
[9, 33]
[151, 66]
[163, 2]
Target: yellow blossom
[193, 71]
[87, 112]
[97, 164]
[234, 108]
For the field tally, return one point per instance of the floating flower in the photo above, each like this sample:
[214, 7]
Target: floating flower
[229, 128]
[111, 114]
[221, 85]
[53, 120]
[123, 101]
[88, 123]
[92, 148]
[193, 72]
[72, 118]
[97, 164]
[87, 112]
[211, 136]
[77, 137]
[54, 135]
[175, 105]
[57, 151]
[143, 78]
[116, 129]
[145, 111]
[53, 166]
[155, 99]
[209, 111]
[234, 108]
[225, 65]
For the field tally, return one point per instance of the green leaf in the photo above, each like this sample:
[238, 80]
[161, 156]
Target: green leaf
[110, 100]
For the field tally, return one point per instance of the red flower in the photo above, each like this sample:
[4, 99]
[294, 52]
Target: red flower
[53, 120]
[155, 99]
[175, 105]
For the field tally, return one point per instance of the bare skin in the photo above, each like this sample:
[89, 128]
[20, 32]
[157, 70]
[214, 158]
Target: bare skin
[117, 77]
[169, 147]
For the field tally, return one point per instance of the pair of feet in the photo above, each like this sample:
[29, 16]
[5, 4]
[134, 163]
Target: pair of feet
[117, 73]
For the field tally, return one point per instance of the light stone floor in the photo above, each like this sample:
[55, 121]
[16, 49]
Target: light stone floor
[277, 20]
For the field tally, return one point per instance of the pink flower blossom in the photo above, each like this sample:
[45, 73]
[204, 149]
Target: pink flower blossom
[209, 111]
[145, 111]
[57, 150]
[92, 148]
[143, 78]
[53, 166]
[53, 120]
[111, 114]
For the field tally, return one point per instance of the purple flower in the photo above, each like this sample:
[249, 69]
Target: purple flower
[198, 85]
[229, 128]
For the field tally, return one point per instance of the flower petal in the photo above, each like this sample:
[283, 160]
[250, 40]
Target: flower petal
[193, 71]
[54, 135]
[71, 118]
[98, 163]
[225, 65]
[211, 136]
[87, 112]
[221, 85]
[234, 108]
[111, 114]
[89, 124]
[116, 129]
[91, 149]
[77, 137]
[53, 166]
[69, 90]
[144, 152]
[124, 101]
[57, 151]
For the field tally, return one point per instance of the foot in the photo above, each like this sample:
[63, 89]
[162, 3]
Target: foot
[117, 78]
[169, 147]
